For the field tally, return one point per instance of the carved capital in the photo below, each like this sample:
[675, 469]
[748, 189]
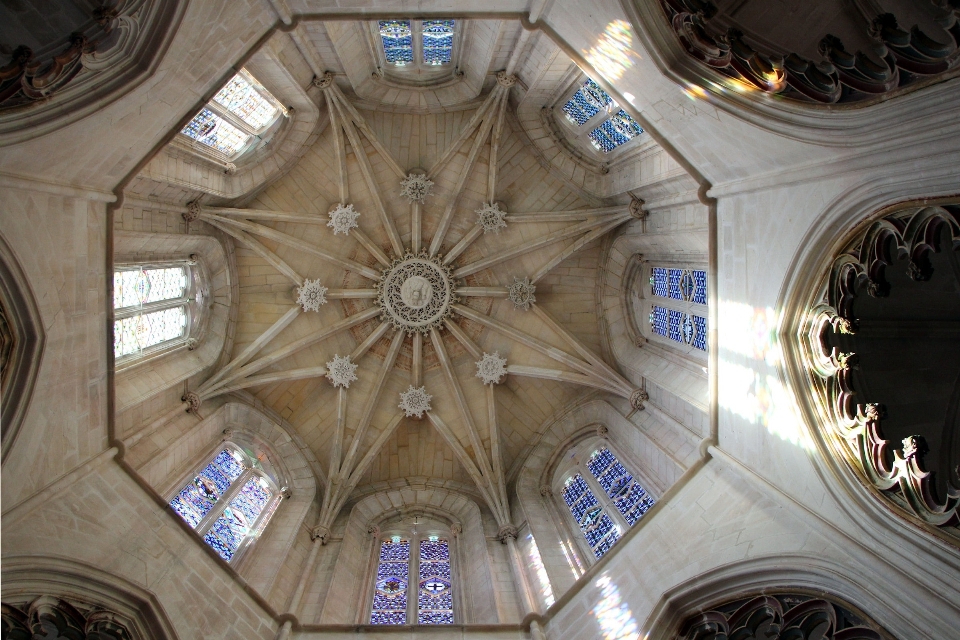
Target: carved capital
[323, 81]
[456, 529]
[506, 532]
[286, 493]
[637, 398]
[506, 80]
[639, 341]
[546, 491]
[320, 533]
[637, 209]
[602, 431]
[193, 402]
[374, 531]
[229, 168]
[193, 211]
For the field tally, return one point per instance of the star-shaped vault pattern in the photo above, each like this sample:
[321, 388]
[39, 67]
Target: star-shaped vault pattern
[416, 283]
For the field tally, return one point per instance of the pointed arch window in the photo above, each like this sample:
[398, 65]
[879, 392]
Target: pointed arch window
[155, 307]
[594, 114]
[430, 598]
[680, 314]
[236, 119]
[605, 500]
[229, 502]
[417, 43]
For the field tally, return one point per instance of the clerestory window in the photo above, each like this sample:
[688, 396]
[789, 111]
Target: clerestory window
[603, 498]
[229, 502]
[236, 119]
[593, 114]
[417, 43]
[678, 305]
[429, 599]
[155, 307]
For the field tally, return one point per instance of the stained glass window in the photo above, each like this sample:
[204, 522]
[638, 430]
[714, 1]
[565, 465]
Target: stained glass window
[237, 520]
[397, 39]
[598, 529]
[684, 328]
[679, 284]
[628, 496]
[612, 133]
[658, 320]
[435, 598]
[199, 496]
[393, 577]
[658, 282]
[144, 286]
[247, 103]
[133, 334]
[700, 286]
[437, 41]
[210, 129]
[588, 101]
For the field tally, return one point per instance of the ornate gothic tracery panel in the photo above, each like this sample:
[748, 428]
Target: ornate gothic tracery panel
[882, 342]
[793, 616]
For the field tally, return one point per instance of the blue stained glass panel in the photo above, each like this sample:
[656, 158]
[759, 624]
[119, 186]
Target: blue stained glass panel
[628, 496]
[587, 102]
[227, 532]
[658, 321]
[390, 595]
[612, 133]
[252, 498]
[437, 41]
[397, 39]
[676, 325]
[605, 544]
[659, 283]
[700, 286]
[700, 337]
[435, 596]
[230, 463]
[210, 129]
[675, 276]
[597, 527]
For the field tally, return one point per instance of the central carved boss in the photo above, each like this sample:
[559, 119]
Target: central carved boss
[416, 293]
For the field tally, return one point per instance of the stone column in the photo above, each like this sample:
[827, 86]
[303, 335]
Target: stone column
[507, 535]
[317, 533]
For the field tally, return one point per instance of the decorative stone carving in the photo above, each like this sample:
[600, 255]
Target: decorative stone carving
[506, 532]
[521, 293]
[323, 81]
[456, 529]
[374, 531]
[506, 80]
[491, 218]
[52, 617]
[193, 402]
[857, 426]
[637, 210]
[191, 344]
[491, 368]
[546, 491]
[840, 77]
[320, 533]
[286, 493]
[637, 398]
[416, 293]
[602, 431]
[311, 295]
[780, 617]
[341, 372]
[229, 168]
[416, 187]
[343, 218]
[193, 211]
[415, 401]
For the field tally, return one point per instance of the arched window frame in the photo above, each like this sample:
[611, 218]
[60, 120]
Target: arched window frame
[580, 134]
[415, 534]
[575, 463]
[253, 470]
[687, 306]
[258, 136]
[418, 71]
[194, 301]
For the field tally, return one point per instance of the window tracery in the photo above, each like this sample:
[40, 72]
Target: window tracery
[229, 502]
[239, 114]
[417, 43]
[154, 307]
[605, 500]
[591, 109]
[682, 315]
[425, 556]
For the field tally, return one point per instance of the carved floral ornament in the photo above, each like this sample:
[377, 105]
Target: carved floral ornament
[51, 617]
[787, 616]
[903, 57]
[853, 421]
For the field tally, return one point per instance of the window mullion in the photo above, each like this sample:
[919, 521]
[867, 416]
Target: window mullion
[607, 503]
[223, 502]
[413, 582]
[416, 41]
[230, 117]
[133, 310]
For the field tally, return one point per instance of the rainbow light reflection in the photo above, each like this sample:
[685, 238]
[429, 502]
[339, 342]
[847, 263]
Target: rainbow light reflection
[612, 55]
[546, 591]
[760, 398]
[615, 619]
